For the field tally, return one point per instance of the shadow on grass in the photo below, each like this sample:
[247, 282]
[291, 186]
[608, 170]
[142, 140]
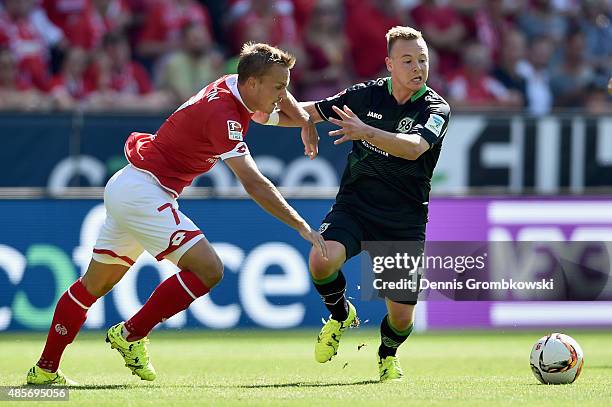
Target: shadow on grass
[302, 384]
[110, 387]
[245, 386]
[88, 386]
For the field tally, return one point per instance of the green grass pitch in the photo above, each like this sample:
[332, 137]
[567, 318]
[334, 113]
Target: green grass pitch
[256, 368]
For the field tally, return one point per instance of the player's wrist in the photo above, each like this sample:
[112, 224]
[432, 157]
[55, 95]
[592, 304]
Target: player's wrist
[369, 134]
[304, 118]
[303, 227]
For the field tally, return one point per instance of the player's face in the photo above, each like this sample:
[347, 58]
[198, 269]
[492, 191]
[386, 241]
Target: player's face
[271, 88]
[409, 63]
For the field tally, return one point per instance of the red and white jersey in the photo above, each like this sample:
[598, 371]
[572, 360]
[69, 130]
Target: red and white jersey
[208, 127]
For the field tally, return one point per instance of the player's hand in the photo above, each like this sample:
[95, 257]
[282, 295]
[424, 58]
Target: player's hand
[310, 138]
[351, 126]
[315, 238]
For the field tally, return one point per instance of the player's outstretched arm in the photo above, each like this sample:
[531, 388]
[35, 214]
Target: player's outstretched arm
[309, 133]
[267, 196]
[408, 146]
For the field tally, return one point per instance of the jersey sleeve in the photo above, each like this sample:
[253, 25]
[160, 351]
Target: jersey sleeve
[352, 97]
[433, 123]
[226, 133]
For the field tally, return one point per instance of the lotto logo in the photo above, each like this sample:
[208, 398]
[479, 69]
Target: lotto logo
[61, 329]
[178, 239]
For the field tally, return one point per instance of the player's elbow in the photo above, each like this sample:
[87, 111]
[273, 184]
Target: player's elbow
[413, 149]
[412, 152]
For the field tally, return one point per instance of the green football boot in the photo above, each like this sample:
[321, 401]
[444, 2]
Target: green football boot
[389, 369]
[329, 337]
[38, 376]
[135, 353]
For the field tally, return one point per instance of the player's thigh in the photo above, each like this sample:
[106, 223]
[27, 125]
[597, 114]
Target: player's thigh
[151, 216]
[114, 252]
[202, 259]
[100, 278]
[343, 234]
[408, 240]
[115, 244]
[320, 267]
[401, 314]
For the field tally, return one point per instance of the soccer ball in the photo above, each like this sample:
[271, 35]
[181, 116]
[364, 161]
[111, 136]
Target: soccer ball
[556, 359]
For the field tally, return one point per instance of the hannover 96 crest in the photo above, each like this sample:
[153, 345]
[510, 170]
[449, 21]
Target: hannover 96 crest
[405, 125]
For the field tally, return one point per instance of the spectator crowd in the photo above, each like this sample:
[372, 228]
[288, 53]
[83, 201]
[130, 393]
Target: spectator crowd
[536, 56]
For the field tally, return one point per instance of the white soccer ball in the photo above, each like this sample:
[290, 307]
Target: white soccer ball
[556, 359]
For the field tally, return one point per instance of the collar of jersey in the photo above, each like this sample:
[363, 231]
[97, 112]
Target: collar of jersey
[232, 84]
[414, 97]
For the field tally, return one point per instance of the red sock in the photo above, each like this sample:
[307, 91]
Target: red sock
[169, 298]
[70, 314]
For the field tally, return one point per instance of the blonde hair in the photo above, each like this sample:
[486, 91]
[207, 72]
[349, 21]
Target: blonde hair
[256, 58]
[401, 33]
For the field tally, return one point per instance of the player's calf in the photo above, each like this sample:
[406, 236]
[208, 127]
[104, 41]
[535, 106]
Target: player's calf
[70, 314]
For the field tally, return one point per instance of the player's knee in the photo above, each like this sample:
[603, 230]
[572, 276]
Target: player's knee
[209, 270]
[402, 321]
[320, 267]
[216, 272]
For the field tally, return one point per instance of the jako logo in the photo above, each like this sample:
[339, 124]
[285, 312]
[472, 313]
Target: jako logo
[374, 115]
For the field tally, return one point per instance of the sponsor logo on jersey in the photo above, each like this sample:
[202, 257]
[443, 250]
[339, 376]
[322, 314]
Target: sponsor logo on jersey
[234, 130]
[374, 115]
[435, 124]
[405, 125]
[323, 227]
[373, 148]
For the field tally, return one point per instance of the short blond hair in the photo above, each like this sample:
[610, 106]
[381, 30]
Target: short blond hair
[401, 33]
[256, 58]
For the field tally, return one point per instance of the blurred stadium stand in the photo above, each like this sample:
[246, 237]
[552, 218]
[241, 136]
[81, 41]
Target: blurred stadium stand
[102, 55]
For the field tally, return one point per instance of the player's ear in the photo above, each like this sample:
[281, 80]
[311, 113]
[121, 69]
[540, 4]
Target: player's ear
[251, 82]
[389, 64]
